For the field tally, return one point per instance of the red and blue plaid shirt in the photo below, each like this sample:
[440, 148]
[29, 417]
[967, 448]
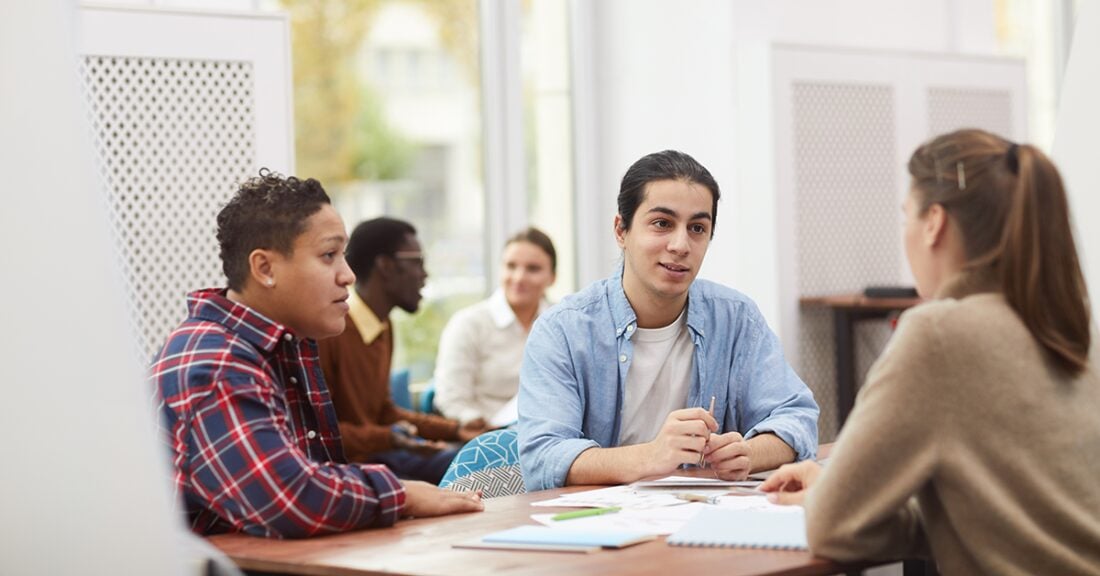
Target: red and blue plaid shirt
[253, 433]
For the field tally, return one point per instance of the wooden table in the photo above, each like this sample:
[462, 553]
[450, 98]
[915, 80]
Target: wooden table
[847, 310]
[423, 547]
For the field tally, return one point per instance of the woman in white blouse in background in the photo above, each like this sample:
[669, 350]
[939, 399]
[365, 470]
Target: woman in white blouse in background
[481, 349]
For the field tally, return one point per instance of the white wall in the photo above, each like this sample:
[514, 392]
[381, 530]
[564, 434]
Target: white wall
[695, 75]
[85, 487]
[660, 79]
[1075, 141]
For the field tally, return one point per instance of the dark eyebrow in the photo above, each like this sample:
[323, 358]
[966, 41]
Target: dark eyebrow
[702, 216]
[671, 212]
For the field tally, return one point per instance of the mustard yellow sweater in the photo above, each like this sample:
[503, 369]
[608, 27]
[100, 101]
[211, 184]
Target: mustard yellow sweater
[968, 443]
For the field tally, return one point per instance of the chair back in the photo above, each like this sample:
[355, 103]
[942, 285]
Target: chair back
[427, 399]
[399, 389]
[489, 463]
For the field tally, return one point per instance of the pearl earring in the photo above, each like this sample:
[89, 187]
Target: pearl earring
[270, 282]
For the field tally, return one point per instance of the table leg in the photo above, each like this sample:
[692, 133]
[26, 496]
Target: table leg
[845, 356]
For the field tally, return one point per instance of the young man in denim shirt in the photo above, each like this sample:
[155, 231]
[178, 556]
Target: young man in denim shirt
[618, 379]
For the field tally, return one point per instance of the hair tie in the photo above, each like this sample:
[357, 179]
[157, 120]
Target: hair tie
[960, 170]
[1012, 156]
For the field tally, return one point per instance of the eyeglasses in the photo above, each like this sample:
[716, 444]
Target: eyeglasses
[413, 256]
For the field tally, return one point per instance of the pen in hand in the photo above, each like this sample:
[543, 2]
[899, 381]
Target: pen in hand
[702, 454]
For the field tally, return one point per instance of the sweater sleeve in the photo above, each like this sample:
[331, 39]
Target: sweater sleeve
[862, 505]
[361, 441]
[430, 426]
[365, 439]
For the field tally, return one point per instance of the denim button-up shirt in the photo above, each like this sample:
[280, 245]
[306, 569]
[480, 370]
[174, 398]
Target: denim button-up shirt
[579, 353]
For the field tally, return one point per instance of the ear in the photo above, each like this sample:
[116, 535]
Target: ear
[383, 266]
[261, 266]
[935, 226]
[620, 231]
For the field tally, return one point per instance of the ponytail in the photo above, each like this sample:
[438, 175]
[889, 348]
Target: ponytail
[1040, 271]
[1009, 202]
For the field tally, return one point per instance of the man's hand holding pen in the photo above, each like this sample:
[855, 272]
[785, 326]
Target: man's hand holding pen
[681, 439]
[728, 455]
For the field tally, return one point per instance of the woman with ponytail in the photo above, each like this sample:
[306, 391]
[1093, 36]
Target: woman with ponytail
[977, 435]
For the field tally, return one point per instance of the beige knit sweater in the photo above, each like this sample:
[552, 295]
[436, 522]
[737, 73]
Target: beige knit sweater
[967, 442]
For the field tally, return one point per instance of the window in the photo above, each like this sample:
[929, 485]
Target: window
[1041, 33]
[387, 117]
[396, 116]
[548, 121]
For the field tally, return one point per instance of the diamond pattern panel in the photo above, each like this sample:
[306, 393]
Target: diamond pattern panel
[847, 218]
[492, 482]
[173, 138]
[953, 108]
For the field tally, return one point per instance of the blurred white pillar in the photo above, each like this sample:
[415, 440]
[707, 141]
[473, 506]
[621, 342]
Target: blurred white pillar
[1075, 139]
[501, 103]
[84, 488]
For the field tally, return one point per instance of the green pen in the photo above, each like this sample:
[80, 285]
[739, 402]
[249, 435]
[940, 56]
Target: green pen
[585, 513]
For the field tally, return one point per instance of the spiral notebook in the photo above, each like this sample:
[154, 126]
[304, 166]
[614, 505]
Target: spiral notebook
[718, 528]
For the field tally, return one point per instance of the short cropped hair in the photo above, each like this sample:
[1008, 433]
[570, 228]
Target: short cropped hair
[268, 212]
[373, 238]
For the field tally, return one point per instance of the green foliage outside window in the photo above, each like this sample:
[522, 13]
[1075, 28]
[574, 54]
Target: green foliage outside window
[417, 335]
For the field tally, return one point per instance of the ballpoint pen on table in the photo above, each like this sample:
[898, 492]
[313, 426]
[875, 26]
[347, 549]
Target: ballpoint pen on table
[698, 498]
[746, 491]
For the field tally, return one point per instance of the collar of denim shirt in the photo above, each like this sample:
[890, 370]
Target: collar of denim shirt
[626, 321]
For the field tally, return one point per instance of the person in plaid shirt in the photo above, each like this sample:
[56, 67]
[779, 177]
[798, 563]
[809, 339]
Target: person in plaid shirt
[241, 398]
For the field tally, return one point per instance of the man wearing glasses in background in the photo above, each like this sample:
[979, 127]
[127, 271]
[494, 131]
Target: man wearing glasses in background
[386, 258]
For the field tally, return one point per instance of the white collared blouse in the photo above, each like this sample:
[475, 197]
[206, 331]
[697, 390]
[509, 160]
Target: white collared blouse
[480, 352]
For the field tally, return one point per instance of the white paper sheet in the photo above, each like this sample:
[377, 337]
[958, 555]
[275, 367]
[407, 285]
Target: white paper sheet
[674, 482]
[621, 496]
[631, 497]
[658, 521]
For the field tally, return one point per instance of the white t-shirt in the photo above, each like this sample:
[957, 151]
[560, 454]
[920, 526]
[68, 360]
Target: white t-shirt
[658, 381]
